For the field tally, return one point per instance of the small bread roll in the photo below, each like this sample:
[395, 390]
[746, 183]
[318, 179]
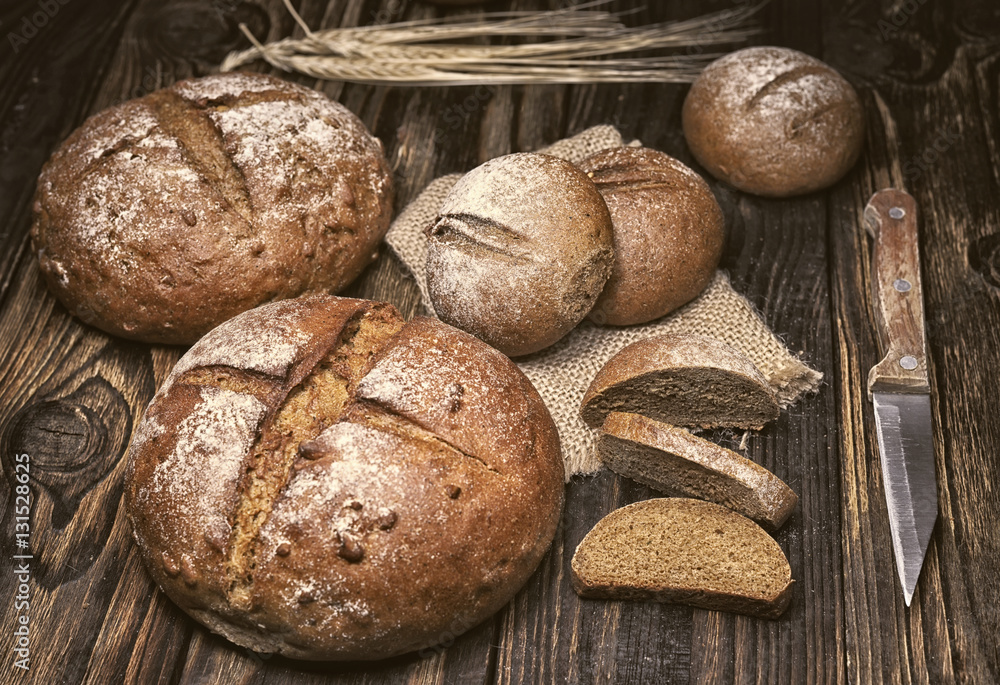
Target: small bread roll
[520, 252]
[668, 233]
[774, 122]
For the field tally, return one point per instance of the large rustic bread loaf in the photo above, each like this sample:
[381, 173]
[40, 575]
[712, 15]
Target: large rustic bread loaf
[320, 479]
[684, 551]
[519, 252]
[681, 379]
[773, 121]
[668, 233]
[163, 216]
[675, 462]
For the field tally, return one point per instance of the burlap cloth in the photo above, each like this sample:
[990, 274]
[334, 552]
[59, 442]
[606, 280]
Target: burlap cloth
[563, 372]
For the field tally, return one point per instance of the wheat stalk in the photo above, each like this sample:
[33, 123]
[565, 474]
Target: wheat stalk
[582, 45]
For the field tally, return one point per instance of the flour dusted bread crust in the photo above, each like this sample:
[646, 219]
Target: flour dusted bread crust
[163, 216]
[668, 233]
[675, 462]
[773, 121]
[520, 251]
[681, 379]
[684, 551]
[320, 479]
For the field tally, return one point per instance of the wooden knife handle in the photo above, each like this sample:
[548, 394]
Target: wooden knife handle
[891, 218]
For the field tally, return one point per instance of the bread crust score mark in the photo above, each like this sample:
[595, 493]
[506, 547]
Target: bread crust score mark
[519, 252]
[327, 390]
[203, 146]
[786, 77]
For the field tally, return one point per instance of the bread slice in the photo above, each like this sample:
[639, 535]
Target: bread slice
[684, 551]
[685, 380]
[673, 461]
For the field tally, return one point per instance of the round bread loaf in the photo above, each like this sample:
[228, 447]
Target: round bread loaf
[520, 252]
[319, 479]
[668, 233]
[163, 216]
[773, 121]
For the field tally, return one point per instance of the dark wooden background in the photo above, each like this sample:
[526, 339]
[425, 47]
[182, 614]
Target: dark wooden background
[929, 75]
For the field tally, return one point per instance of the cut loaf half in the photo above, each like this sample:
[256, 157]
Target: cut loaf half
[685, 380]
[684, 551]
[674, 461]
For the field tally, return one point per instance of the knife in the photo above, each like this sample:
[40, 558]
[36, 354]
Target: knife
[899, 385]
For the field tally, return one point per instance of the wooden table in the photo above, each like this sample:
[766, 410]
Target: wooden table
[929, 75]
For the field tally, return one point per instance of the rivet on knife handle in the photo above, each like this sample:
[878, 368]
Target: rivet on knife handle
[891, 218]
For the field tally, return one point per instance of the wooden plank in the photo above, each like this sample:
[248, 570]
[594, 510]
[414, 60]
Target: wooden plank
[781, 267]
[920, 137]
[71, 408]
[873, 600]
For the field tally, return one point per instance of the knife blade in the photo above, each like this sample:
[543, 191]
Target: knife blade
[899, 384]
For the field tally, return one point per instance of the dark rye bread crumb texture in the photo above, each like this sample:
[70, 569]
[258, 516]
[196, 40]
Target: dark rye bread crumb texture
[684, 380]
[520, 251]
[163, 216]
[675, 462]
[684, 551]
[320, 479]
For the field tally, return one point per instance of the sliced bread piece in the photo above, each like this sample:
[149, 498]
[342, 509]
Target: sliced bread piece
[685, 380]
[673, 461]
[684, 551]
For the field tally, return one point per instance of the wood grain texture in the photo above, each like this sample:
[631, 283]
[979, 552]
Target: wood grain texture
[929, 76]
[921, 138]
